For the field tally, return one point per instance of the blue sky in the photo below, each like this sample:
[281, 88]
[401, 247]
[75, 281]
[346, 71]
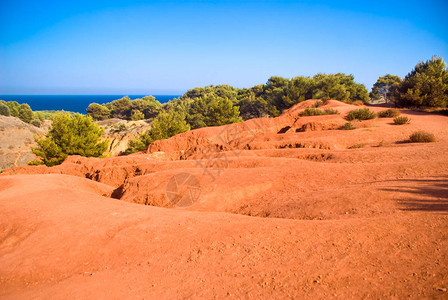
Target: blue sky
[167, 47]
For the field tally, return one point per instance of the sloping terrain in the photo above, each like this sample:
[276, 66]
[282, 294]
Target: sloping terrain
[289, 207]
[16, 140]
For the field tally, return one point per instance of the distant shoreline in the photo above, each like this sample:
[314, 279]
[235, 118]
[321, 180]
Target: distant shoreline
[73, 103]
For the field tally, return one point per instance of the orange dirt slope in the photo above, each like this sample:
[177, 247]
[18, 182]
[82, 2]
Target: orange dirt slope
[288, 207]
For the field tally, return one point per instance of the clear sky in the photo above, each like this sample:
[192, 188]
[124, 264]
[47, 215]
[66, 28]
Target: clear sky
[167, 47]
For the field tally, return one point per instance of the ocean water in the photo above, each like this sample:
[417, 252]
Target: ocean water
[74, 103]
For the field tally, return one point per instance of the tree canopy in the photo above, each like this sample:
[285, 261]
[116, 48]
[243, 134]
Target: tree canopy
[384, 86]
[425, 86]
[125, 108]
[70, 134]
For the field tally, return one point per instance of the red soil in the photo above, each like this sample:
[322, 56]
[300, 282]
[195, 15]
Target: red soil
[286, 210]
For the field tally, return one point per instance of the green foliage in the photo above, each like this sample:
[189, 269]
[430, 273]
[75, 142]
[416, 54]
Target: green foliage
[39, 115]
[401, 120]
[148, 106]
[425, 86]
[347, 126]
[120, 108]
[125, 108]
[384, 86]
[36, 123]
[165, 125]
[360, 114]
[25, 113]
[311, 111]
[4, 110]
[252, 106]
[270, 99]
[13, 108]
[70, 134]
[35, 163]
[422, 137]
[389, 113]
[340, 87]
[98, 112]
[212, 111]
[318, 103]
[331, 111]
[137, 115]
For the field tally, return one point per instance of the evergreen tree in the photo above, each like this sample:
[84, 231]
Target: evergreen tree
[70, 135]
[426, 85]
[98, 112]
[212, 111]
[384, 86]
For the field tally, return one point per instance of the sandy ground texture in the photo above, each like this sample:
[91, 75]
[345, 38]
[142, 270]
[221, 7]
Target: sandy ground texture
[282, 208]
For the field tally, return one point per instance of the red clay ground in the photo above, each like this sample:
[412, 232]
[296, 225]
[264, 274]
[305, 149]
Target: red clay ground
[286, 210]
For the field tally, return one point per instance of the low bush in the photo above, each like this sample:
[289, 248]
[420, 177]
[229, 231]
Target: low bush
[311, 111]
[331, 111]
[317, 104]
[36, 123]
[4, 110]
[401, 120]
[422, 137]
[360, 114]
[347, 126]
[389, 113]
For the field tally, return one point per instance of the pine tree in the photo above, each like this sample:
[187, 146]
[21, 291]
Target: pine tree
[70, 135]
[426, 85]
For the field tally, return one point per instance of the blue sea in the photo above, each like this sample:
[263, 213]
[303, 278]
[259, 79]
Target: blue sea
[74, 103]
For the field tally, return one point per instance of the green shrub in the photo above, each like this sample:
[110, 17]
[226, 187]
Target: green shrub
[331, 111]
[70, 134]
[164, 126]
[98, 111]
[35, 163]
[389, 113]
[25, 113]
[137, 115]
[360, 114]
[347, 126]
[311, 111]
[422, 137]
[36, 123]
[318, 104]
[401, 120]
[4, 110]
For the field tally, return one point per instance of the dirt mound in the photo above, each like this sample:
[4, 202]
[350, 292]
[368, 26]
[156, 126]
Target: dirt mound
[288, 207]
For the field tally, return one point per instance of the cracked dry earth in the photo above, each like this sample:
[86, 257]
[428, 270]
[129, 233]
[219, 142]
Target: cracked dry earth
[287, 208]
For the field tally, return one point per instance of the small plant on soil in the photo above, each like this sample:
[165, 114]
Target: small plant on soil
[317, 104]
[422, 137]
[360, 114]
[318, 112]
[347, 126]
[356, 146]
[402, 120]
[331, 111]
[389, 113]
